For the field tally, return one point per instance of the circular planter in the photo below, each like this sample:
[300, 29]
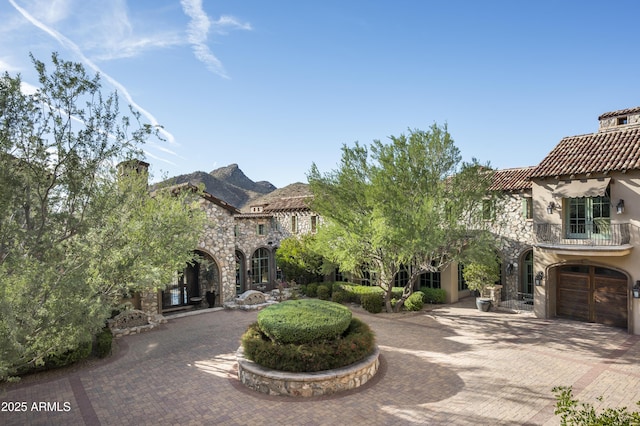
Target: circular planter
[483, 304]
[274, 382]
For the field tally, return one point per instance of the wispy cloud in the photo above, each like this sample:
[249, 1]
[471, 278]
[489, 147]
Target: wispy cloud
[155, 157]
[198, 31]
[112, 35]
[132, 47]
[226, 23]
[69, 44]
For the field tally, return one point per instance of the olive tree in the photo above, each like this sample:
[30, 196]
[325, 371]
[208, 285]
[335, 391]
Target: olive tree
[411, 203]
[76, 233]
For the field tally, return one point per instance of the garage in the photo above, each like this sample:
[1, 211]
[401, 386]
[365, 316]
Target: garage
[593, 294]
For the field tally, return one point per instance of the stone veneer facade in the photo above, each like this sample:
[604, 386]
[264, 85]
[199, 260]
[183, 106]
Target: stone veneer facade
[513, 230]
[254, 231]
[265, 228]
[218, 242]
[273, 382]
[216, 245]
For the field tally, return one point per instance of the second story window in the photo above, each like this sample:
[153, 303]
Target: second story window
[588, 216]
[261, 229]
[488, 210]
[527, 208]
[294, 224]
[314, 224]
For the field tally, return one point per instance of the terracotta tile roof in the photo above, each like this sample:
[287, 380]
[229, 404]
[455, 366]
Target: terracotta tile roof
[253, 216]
[626, 111]
[601, 153]
[516, 179]
[288, 204]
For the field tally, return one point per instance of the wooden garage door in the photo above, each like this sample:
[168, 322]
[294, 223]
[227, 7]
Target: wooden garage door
[594, 294]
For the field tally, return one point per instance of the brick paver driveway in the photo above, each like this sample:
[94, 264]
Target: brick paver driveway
[449, 365]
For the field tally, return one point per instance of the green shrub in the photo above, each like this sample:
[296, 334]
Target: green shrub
[312, 290]
[372, 302]
[304, 321]
[324, 292]
[573, 412]
[338, 296]
[433, 295]
[355, 344]
[347, 292]
[414, 302]
[69, 357]
[356, 292]
[103, 343]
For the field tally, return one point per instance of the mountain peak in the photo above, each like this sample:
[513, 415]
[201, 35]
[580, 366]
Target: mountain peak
[227, 183]
[232, 174]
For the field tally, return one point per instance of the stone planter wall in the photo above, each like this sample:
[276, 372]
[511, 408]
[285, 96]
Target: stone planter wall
[273, 382]
[134, 322]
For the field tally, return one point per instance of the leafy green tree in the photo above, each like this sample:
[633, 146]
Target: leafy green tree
[75, 235]
[409, 203]
[298, 260]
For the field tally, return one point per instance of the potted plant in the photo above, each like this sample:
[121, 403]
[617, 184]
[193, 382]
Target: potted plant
[479, 276]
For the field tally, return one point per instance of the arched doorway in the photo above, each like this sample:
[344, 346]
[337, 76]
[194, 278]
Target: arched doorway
[209, 278]
[192, 284]
[592, 293]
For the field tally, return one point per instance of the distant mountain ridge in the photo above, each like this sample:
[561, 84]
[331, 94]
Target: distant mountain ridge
[232, 175]
[231, 185]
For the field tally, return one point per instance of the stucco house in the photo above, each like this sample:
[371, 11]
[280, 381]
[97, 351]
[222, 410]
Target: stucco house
[586, 209]
[567, 229]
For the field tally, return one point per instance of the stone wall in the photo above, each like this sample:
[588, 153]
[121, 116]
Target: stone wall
[303, 219]
[218, 241]
[514, 232]
[611, 123]
[249, 240]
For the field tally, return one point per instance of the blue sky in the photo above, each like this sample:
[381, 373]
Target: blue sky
[276, 85]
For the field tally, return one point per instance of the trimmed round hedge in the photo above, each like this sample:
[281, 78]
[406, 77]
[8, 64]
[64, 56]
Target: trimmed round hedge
[354, 345]
[304, 321]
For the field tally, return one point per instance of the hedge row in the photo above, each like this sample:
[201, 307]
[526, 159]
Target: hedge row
[371, 298]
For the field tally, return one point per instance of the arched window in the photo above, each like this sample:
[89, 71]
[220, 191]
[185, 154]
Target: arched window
[526, 280]
[260, 266]
[240, 272]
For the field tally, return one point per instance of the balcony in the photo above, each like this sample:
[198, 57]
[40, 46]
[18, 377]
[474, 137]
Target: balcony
[595, 239]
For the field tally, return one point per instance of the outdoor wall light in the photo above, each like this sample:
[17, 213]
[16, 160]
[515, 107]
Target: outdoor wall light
[620, 207]
[538, 278]
[636, 290]
[550, 207]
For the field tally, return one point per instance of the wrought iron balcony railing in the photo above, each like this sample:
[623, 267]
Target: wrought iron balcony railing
[599, 233]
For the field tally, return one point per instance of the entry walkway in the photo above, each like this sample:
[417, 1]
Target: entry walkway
[447, 365]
